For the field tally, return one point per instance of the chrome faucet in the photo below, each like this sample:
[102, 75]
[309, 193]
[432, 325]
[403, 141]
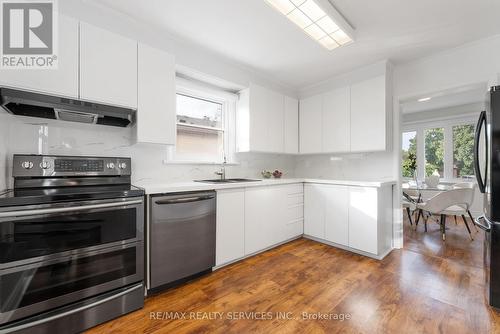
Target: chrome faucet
[222, 171]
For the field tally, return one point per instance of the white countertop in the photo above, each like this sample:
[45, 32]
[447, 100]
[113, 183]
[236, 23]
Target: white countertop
[160, 187]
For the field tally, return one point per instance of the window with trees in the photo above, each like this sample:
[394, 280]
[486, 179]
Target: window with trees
[442, 146]
[463, 151]
[434, 151]
[409, 153]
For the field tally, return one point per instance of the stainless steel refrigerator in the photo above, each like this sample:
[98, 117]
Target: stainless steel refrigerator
[487, 170]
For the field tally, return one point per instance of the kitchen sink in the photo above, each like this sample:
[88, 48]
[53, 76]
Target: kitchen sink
[227, 180]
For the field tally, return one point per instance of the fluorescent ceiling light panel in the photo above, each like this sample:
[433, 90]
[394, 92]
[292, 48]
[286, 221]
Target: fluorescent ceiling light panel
[315, 32]
[299, 18]
[328, 43]
[283, 6]
[341, 37]
[327, 25]
[319, 19]
[312, 10]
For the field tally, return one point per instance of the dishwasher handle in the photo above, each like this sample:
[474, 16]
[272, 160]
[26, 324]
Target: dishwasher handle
[184, 200]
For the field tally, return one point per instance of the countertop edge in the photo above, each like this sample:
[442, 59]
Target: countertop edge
[164, 188]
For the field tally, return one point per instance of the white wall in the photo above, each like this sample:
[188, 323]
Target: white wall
[456, 112]
[37, 136]
[472, 63]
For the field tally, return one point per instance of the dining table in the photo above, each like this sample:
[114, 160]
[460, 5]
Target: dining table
[419, 187]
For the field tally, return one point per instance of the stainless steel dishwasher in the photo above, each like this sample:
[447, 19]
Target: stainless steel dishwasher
[182, 237]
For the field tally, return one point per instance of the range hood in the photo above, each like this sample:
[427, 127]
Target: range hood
[26, 103]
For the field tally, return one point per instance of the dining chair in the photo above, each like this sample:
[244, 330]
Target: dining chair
[450, 202]
[409, 201]
[468, 185]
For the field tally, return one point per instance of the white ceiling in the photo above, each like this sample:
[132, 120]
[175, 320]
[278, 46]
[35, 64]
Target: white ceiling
[250, 32]
[446, 99]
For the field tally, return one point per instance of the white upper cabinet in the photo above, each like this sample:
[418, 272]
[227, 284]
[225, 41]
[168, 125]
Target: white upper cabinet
[310, 120]
[62, 81]
[336, 120]
[291, 125]
[369, 115]
[156, 112]
[354, 118]
[265, 121]
[108, 67]
[275, 109]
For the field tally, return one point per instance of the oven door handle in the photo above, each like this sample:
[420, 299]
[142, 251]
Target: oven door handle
[70, 312]
[36, 212]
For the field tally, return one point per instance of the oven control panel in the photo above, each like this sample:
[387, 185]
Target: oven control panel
[41, 165]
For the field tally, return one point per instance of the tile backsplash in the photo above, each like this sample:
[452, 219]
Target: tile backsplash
[26, 135]
[355, 166]
[37, 136]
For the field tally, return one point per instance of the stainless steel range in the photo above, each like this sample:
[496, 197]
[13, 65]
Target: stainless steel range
[71, 244]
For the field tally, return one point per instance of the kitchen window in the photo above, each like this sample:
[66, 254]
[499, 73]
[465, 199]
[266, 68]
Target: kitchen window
[442, 146]
[200, 129]
[205, 124]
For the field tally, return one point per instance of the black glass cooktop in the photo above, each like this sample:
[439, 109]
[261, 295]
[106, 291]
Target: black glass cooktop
[34, 196]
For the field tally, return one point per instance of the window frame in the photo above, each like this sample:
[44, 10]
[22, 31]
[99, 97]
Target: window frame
[447, 124]
[211, 94]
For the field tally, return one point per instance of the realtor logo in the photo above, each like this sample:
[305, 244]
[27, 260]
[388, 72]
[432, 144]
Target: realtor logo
[29, 34]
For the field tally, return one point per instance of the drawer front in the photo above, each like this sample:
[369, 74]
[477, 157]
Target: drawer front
[295, 189]
[295, 199]
[294, 229]
[294, 212]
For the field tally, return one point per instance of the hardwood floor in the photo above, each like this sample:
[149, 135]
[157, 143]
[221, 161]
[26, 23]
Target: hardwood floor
[427, 287]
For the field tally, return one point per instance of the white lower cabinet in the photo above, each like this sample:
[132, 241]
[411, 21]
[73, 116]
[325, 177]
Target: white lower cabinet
[230, 225]
[337, 214]
[250, 220]
[356, 217]
[314, 210]
[293, 212]
[363, 219]
[273, 215]
[260, 218]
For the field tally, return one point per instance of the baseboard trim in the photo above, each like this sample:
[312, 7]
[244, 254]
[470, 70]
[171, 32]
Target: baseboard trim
[349, 249]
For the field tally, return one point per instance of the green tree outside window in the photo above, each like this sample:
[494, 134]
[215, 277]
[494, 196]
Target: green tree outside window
[409, 154]
[463, 151]
[434, 151]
